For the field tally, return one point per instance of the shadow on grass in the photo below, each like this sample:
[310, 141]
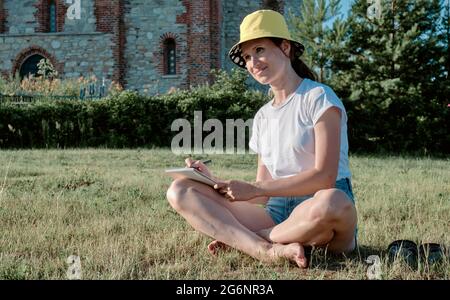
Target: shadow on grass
[362, 252]
[321, 259]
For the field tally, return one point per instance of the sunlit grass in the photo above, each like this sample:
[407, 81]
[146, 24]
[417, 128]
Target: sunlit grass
[109, 208]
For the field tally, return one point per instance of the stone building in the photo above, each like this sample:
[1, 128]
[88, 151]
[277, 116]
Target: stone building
[146, 45]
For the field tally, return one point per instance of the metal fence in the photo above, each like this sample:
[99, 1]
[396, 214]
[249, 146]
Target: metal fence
[91, 92]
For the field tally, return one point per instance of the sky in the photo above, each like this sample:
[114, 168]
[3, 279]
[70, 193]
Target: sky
[345, 6]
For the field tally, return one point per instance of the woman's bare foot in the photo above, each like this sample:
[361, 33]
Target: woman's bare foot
[215, 246]
[294, 252]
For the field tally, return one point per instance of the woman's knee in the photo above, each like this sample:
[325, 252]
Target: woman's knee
[331, 205]
[176, 193]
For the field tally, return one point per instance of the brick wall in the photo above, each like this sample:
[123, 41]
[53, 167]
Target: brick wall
[85, 22]
[32, 50]
[119, 54]
[77, 50]
[3, 17]
[106, 19]
[203, 35]
[148, 25]
[216, 43]
[109, 15]
[72, 55]
[42, 15]
[123, 39]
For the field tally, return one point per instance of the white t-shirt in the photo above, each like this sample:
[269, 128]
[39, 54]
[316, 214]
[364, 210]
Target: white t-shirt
[284, 135]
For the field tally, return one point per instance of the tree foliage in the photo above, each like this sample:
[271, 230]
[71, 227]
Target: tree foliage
[125, 119]
[390, 69]
[320, 42]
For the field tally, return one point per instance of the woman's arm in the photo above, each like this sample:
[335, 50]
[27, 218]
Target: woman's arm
[262, 174]
[323, 175]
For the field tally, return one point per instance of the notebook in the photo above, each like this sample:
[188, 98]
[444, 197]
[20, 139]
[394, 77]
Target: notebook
[190, 173]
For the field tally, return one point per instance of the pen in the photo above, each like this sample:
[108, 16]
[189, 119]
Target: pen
[203, 161]
[206, 161]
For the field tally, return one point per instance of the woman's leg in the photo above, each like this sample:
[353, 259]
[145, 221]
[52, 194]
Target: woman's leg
[231, 223]
[327, 219]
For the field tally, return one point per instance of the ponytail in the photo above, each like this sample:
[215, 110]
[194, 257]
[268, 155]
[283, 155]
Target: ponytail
[302, 69]
[297, 63]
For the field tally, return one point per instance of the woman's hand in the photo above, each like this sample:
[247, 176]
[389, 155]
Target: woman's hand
[236, 190]
[197, 164]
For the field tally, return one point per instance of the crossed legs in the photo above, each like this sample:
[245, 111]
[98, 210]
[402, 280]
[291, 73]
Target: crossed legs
[247, 227]
[328, 219]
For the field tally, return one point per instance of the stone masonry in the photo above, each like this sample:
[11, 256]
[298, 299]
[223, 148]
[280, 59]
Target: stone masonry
[124, 40]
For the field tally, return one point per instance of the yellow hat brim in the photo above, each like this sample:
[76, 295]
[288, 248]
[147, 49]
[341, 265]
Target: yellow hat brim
[235, 52]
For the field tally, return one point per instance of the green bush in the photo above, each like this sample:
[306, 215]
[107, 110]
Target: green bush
[125, 119]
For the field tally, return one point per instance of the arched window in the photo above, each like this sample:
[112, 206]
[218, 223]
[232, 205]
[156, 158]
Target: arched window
[170, 57]
[30, 66]
[52, 16]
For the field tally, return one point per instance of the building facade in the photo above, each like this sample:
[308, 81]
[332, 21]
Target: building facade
[145, 45]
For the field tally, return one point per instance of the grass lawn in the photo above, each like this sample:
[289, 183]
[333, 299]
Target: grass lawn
[108, 207]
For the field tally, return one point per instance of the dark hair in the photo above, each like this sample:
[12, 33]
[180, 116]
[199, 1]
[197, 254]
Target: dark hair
[297, 63]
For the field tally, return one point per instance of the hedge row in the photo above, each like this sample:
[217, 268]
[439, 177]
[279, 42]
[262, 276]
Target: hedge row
[127, 120]
[131, 120]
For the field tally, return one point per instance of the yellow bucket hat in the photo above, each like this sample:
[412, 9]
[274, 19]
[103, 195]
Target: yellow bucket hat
[261, 24]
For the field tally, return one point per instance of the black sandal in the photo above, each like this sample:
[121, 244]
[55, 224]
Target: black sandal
[432, 253]
[403, 249]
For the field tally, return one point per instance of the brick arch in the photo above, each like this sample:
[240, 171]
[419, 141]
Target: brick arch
[161, 55]
[30, 51]
[168, 35]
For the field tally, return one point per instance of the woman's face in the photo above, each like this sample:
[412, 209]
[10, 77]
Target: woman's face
[264, 60]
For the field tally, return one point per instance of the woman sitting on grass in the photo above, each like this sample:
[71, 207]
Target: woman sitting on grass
[302, 177]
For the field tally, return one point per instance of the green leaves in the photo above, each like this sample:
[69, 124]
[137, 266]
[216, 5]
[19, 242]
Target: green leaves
[46, 69]
[320, 41]
[125, 119]
[390, 74]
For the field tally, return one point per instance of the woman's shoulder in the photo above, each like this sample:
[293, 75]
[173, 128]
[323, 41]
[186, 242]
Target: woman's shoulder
[315, 89]
[314, 93]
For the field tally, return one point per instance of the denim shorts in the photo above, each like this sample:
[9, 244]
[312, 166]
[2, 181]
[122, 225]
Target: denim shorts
[280, 208]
